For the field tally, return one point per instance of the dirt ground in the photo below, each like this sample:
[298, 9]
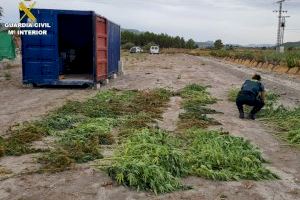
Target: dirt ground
[18, 103]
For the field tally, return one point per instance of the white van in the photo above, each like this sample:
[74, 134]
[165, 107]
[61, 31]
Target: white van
[154, 50]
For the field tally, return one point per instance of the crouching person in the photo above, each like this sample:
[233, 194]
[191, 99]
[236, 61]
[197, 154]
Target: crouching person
[251, 94]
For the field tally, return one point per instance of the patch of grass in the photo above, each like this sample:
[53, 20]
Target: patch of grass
[149, 160]
[2, 147]
[199, 52]
[220, 53]
[11, 65]
[7, 76]
[293, 136]
[219, 156]
[4, 171]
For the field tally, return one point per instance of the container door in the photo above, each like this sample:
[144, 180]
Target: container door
[114, 48]
[101, 48]
[40, 52]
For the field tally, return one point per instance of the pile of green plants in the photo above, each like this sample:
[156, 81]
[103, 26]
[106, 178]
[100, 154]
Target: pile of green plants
[149, 160]
[20, 137]
[80, 137]
[56, 160]
[152, 160]
[219, 156]
[196, 94]
[146, 158]
[212, 154]
[195, 98]
[114, 103]
[80, 128]
[287, 121]
[59, 121]
[110, 103]
[78, 140]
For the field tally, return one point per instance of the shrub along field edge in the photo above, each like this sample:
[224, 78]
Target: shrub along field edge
[288, 62]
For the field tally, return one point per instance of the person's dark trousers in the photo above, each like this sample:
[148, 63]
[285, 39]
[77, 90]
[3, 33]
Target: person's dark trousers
[247, 98]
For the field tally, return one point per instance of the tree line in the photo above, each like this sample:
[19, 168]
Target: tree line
[147, 39]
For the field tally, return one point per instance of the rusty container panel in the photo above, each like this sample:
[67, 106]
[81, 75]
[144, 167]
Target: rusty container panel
[101, 48]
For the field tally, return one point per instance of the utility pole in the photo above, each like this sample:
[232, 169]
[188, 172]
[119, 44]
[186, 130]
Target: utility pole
[281, 26]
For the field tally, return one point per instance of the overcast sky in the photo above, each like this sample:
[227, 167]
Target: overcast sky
[233, 21]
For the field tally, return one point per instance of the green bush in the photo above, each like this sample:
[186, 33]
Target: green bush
[220, 53]
[289, 58]
[291, 61]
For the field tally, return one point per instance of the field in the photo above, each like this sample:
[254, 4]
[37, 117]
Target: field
[289, 59]
[167, 129]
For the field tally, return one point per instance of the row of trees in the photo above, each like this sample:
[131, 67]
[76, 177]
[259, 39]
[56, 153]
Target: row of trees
[163, 40]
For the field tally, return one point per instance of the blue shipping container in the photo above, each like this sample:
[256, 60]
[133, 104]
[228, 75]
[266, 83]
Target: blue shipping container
[114, 45]
[74, 51]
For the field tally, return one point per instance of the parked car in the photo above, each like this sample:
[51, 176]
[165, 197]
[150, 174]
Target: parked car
[154, 50]
[136, 50]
